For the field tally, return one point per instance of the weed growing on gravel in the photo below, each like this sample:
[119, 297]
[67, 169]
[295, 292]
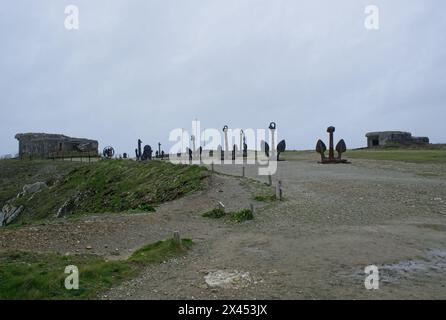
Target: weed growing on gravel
[214, 213]
[265, 197]
[29, 275]
[242, 215]
[237, 216]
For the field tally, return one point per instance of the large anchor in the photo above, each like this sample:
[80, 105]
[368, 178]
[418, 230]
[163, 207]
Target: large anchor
[340, 148]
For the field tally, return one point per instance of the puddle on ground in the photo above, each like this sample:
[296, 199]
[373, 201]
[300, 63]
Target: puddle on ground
[433, 263]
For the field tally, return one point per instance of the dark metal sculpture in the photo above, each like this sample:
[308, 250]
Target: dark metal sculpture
[147, 153]
[281, 148]
[272, 126]
[138, 151]
[340, 148]
[189, 151]
[264, 146]
[234, 151]
[108, 152]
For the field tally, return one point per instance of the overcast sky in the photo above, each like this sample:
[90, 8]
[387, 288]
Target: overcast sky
[140, 68]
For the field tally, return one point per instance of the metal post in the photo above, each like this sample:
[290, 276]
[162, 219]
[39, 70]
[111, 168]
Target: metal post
[330, 130]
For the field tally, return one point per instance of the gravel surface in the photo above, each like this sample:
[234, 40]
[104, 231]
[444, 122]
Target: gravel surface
[333, 222]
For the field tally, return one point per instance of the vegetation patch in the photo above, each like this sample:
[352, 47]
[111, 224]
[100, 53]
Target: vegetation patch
[215, 213]
[242, 215]
[236, 216]
[29, 275]
[265, 197]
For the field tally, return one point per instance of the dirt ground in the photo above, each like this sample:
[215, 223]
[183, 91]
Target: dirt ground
[333, 222]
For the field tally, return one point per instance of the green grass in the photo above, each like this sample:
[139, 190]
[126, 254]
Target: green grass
[405, 155]
[15, 174]
[236, 216]
[28, 275]
[214, 213]
[265, 197]
[107, 186]
[242, 215]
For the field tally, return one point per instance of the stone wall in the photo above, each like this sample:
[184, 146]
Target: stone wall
[46, 145]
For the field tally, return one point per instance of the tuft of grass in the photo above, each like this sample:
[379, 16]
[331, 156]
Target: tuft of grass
[265, 197]
[29, 275]
[242, 215]
[214, 213]
[236, 216]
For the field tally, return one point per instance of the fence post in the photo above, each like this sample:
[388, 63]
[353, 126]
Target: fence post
[279, 190]
[176, 238]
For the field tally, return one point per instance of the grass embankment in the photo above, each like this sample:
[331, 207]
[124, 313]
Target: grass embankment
[236, 216]
[26, 275]
[101, 187]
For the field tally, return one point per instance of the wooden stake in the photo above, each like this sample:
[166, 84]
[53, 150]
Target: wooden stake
[279, 190]
[176, 237]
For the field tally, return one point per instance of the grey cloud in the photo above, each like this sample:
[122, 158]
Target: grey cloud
[138, 69]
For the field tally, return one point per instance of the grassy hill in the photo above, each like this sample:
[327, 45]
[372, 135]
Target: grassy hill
[98, 187]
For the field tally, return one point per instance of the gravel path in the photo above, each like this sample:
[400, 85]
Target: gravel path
[334, 221]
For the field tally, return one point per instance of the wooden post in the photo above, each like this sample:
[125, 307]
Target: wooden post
[279, 190]
[270, 180]
[253, 210]
[212, 166]
[243, 171]
[176, 238]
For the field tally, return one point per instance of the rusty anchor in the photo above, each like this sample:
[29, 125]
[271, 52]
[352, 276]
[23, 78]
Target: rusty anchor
[340, 148]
